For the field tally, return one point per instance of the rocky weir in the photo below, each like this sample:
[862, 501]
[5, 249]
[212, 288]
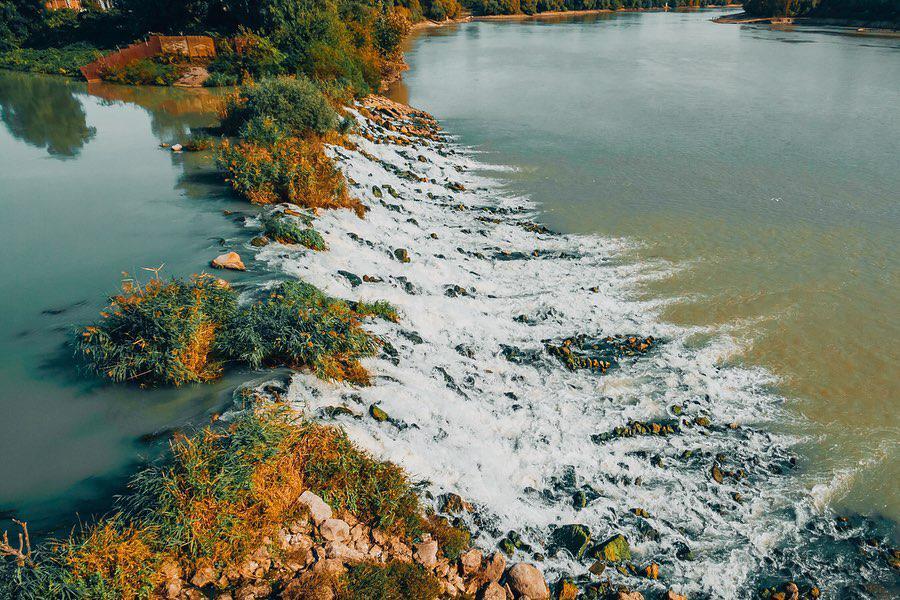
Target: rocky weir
[543, 406]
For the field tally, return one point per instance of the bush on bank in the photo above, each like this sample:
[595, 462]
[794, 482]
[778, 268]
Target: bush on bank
[159, 333]
[178, 332]
[225, 492]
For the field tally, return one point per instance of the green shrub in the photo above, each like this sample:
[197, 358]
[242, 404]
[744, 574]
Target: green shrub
[145, 71]
[295, 104]
[440, 10]
[286, 231]
[253, 58]
[159, 333]
[392, 581]
[299, 326]
[56, 61]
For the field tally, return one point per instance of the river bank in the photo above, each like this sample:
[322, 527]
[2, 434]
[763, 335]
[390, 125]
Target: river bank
[855, 26]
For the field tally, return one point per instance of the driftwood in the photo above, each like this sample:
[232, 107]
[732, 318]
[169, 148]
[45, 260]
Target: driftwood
[22, 554]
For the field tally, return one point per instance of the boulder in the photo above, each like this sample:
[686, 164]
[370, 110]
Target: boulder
[493, 569]
[470, 561]
[177, 147]
[318, 509]
[334, 530]
[492, 591]
[628, 595]
[567, 591]
[614, 549]
[527, 580]
[574, 538]
[204, 575]
[426, 553]
[378, 414]
[671, 595]
[402, 254]
[229, 260]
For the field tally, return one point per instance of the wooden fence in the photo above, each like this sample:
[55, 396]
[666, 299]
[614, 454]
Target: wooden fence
[191, 47]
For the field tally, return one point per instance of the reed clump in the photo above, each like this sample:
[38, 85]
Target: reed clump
[177, 332]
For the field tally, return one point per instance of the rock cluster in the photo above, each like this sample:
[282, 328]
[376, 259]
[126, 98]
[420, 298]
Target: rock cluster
[325, 544]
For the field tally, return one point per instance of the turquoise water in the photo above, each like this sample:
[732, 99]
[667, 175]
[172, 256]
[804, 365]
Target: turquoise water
[87, 193]
[758, 167]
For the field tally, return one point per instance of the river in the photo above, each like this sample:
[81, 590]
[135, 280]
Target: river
[87, 193]
[759, 167]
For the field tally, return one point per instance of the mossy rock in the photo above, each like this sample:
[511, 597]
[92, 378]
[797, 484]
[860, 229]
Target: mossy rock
[614, 549]
[378, 414]
[575, 538]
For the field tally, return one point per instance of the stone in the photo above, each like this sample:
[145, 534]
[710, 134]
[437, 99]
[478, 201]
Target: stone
[628, 595]
[494, 567]
[652, 571]
[171, 574]
[378, 414]
[527, 580]
[329, 566]
[470, 561]
[334, 530]
[614, 549]
[353, 278]
[177, 147]
[716, 473]
[204, 575]
[402, 254]
[791, 591]
[492, 591]
[229, 260]
[343, 552]
[453, 503]
[426, 553]
[259, 241]
[567, 591]
[573, 538]
[318, 509]
[597, 568]
[671, 595]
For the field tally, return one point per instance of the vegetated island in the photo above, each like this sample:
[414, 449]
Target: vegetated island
[267, 502]
[883, 15]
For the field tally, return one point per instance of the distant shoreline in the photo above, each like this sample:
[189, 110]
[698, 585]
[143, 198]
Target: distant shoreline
[859, 25]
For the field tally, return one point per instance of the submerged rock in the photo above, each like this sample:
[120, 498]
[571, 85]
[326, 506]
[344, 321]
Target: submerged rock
[402, 254]
[582, 352]
[378, 414]
[614, 549]
[351, 277]
[574, 538]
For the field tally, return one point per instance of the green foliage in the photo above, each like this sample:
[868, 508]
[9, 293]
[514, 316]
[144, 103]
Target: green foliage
[294, 104]
[287, 231]
[862, 10]
[18, 20]
[144, 71]
[440, 10]
[297, 325]
[251, 57]
[56, 61]
[390, 29]
[451, 540]
[223, 492]
[159, 333]
[392, 581]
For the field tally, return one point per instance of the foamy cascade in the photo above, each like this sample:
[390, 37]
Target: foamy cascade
[516, 439]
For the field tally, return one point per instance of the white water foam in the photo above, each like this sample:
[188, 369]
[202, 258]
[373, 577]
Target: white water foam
[467, 420]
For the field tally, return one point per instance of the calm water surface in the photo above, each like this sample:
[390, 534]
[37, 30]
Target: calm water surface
[87, 193]
[761, 165]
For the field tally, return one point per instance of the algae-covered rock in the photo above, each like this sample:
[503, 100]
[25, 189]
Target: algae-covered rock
[614, 549]
[378, 414]
[575, 538]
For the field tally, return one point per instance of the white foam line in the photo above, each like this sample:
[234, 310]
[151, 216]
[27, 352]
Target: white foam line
[497, 432]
